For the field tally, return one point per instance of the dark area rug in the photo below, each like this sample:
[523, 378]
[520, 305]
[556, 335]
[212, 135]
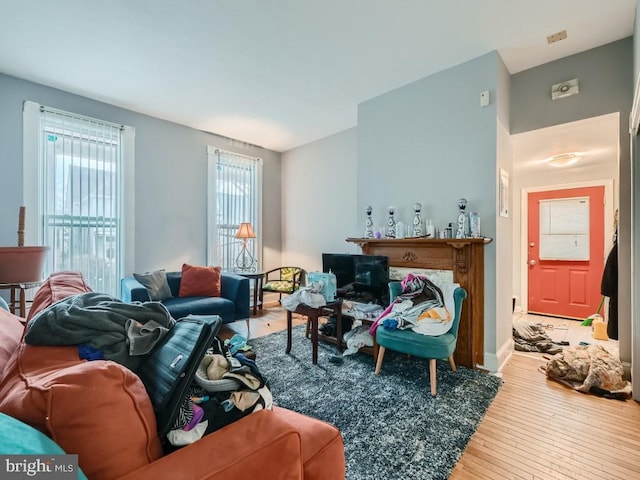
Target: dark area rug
[392, 427]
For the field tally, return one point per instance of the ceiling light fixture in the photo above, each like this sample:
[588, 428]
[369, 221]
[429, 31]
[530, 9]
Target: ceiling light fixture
[563, 160]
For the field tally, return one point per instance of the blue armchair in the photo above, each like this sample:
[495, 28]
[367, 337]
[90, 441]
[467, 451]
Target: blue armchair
[423, 346]
[231, 305]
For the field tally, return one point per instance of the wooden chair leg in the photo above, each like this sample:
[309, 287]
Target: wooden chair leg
[308, 329]
[452, 362]
[381, 351]
[432, 376]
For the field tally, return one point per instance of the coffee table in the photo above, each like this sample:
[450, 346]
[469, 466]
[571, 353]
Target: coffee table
[313, 313]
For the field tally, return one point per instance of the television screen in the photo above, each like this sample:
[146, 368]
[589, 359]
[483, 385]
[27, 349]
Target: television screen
[341, 265]
[366, 276]
[371, 271]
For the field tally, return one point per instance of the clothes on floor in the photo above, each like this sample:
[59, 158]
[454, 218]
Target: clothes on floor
[532, 337]
[587, 368]
[357, 338]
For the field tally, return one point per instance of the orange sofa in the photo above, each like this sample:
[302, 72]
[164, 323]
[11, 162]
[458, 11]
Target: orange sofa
[100, 411]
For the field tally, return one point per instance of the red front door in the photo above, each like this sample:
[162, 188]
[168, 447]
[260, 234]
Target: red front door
[561, 287]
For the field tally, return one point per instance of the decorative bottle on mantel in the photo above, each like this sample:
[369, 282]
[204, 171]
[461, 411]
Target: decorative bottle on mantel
[390, 232]
[417, 221]
[463, 230]
[368, 224]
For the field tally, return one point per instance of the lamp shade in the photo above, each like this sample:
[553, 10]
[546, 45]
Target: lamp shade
[245, 231]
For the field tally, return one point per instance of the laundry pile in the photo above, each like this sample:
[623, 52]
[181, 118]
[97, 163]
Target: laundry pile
[590, 369]
[532, 337]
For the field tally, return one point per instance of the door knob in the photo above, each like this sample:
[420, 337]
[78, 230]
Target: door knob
[532, 262]
[532, 244]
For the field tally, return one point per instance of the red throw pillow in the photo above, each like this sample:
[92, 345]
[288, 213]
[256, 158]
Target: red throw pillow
[199, 281]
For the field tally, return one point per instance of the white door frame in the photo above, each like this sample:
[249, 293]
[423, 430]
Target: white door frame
[609, 210]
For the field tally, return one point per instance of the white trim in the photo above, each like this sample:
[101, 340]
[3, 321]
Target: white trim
[635, 262]
[634, 116]
[211, 205]
[609, 210]
[128, 214]
[31, 175]
[495, 362]
[212, 235]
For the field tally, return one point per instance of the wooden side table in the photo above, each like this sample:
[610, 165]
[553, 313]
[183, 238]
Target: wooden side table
[333, 308]
[19, 290]
[258, 278]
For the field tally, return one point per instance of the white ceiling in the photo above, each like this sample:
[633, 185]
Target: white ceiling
[280, 73]
[595, 139]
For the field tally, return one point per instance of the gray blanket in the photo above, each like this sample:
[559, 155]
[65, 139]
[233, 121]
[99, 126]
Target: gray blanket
[115, 328]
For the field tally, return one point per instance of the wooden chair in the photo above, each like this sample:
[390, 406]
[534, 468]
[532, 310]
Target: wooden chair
[423, 346]
[283, 280]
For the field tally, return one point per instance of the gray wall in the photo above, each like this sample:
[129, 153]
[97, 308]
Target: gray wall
[319, 200]
[431, 142]
[170, 177]
[605, 76]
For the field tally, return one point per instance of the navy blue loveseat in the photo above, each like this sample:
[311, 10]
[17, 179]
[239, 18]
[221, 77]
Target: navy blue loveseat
[231, 305]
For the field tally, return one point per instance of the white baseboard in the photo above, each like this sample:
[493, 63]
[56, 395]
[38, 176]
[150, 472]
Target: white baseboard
[494, 362]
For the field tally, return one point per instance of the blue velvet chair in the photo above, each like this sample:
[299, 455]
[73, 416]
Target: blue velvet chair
[423, 346]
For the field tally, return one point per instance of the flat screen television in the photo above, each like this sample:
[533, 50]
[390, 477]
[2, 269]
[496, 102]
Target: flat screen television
[359, 277]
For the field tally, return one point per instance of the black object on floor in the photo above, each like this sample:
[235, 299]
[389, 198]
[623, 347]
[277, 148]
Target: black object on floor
[337, 359]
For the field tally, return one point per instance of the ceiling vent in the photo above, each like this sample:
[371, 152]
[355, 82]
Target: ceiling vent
[556, 37]
[564, 89]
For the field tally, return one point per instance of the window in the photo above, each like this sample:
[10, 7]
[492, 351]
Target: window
[78, 162]
[235, 186]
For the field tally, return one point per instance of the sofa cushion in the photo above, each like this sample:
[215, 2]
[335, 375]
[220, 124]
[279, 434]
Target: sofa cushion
[99, 409]
[58, 286]
[155, 283]
[322, 445]
[11, 330]
[199, 281]
[181, 307]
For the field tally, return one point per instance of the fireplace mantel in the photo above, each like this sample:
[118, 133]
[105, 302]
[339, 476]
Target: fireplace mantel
[465, 257]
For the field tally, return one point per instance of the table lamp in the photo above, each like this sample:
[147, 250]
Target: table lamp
[245, 260]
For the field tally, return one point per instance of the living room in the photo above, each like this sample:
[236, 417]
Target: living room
[433, 125]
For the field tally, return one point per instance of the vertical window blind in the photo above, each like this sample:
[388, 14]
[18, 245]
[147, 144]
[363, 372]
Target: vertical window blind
[81, 201]
[236, 183]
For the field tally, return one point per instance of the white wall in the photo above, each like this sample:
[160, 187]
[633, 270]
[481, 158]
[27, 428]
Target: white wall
[319, 200]
[496, 357]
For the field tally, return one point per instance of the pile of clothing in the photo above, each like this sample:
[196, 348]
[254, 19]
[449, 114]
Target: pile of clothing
[590, 369]
[532, 337]
[420, 306]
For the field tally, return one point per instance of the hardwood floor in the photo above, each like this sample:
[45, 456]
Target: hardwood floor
[535, 429]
